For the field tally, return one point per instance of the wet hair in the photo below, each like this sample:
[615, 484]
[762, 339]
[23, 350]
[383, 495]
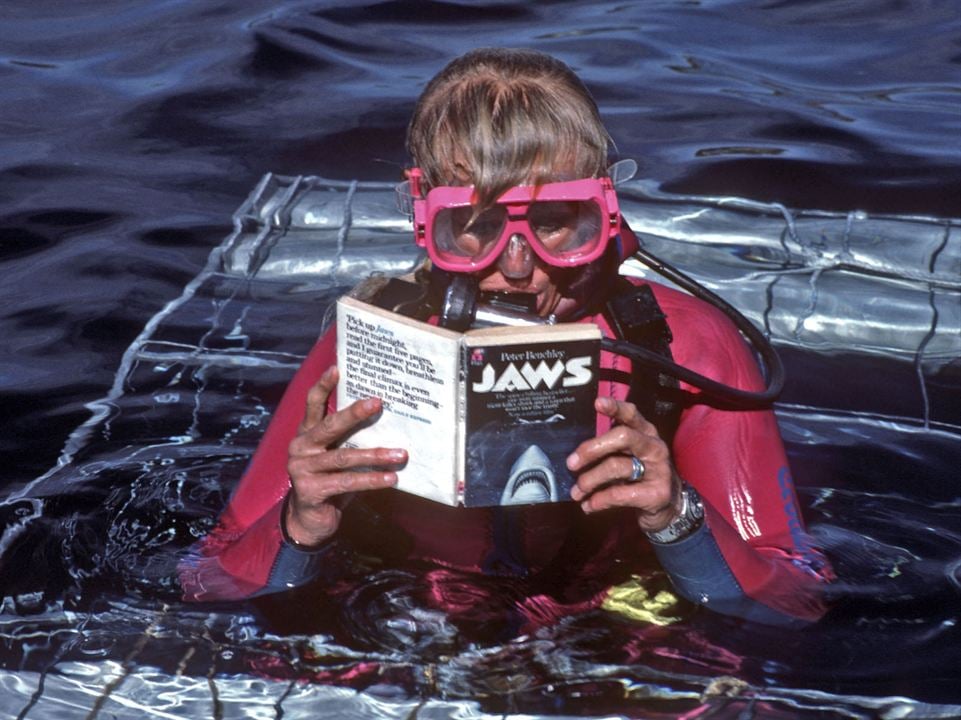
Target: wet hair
[497, 117]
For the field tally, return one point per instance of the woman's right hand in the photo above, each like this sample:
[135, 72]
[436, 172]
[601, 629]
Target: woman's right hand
[320, 471]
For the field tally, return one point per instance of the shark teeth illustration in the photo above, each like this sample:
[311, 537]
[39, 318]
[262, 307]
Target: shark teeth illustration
[531, 480]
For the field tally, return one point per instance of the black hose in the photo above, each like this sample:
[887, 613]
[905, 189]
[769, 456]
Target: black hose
[723, 395]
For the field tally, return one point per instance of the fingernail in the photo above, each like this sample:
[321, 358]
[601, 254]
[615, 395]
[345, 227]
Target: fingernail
[586, 506]
[573, 460]
[370, 404]
[390, 479]
[397, 455]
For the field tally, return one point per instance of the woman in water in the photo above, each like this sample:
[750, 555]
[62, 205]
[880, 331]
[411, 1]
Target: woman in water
[707, 489]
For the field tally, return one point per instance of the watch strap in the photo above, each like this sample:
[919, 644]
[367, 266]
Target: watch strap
[688, 520]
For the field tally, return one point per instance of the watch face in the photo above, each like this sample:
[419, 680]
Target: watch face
[692, 513]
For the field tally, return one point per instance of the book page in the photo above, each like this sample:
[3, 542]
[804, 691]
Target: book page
[412, 367]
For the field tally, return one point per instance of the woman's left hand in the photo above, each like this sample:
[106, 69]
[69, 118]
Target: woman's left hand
[604, 467]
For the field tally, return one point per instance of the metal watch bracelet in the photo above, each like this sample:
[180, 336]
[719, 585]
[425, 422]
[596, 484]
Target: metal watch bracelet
[690, 519]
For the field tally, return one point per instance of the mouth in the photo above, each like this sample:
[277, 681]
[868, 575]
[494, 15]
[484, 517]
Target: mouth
[541, 285]
[530, 299]
[531, 479]
[523, 302]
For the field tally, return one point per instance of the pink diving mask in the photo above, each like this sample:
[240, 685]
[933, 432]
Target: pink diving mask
[564, 223]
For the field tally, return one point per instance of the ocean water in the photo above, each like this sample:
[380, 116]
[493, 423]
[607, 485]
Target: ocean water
[132, 131]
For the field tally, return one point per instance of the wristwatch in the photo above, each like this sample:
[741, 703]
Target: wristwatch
[690, 519]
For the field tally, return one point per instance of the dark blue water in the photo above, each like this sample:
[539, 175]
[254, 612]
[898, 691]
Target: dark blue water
[131, 131]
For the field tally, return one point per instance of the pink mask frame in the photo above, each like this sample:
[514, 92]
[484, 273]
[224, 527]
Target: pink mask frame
[517, 201]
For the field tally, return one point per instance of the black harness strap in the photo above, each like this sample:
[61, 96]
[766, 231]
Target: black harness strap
[635, 316]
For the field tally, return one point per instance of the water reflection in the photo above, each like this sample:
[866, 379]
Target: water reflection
[91, 547]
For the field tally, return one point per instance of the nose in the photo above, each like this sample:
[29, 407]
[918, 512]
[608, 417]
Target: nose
[517, 260]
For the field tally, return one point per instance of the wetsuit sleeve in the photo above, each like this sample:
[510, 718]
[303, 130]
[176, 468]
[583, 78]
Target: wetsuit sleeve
[753, 557]
[246, 554]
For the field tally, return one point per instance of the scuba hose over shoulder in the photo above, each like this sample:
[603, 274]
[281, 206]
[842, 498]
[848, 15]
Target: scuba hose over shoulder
[721, 394]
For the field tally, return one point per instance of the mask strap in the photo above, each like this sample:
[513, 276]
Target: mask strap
[404, 198]
[622, 171]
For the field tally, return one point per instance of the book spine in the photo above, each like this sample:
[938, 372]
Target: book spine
[460, 481]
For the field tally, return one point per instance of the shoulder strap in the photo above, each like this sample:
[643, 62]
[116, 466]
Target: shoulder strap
[634, 314]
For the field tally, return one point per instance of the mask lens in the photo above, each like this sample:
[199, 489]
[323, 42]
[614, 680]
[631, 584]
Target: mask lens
[566, 228]
[460, 234]
[565, 223]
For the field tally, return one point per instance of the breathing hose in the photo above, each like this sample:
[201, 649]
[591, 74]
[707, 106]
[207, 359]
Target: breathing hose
[724, 395]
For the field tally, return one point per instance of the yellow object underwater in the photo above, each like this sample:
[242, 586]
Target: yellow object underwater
[633, 601]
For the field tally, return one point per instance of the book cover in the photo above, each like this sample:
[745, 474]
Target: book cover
[488, 416]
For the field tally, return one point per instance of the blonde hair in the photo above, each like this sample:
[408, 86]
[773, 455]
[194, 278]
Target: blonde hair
[497, 117]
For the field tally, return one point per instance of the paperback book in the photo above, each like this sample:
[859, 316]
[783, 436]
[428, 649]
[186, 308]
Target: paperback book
[488, 416]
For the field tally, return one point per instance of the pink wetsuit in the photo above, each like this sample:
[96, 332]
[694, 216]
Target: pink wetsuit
[752, 558]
